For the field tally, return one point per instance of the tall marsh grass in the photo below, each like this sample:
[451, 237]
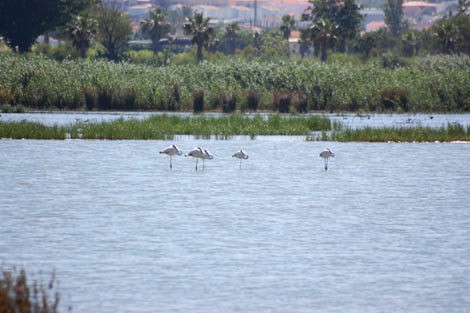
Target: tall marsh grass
[437, 84]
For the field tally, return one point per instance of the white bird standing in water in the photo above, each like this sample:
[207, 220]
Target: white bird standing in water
[206, 156]
[241, 155]
[325, 154]
[200, 153]
[171, 151]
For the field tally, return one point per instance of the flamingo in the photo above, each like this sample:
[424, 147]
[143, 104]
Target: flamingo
[206, 156]
[325, 154]
[240, 154]
[197, 153]
[171, 151]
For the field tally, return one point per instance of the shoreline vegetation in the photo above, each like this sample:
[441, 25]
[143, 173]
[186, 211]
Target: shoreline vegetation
[426, 84]
[164, 127]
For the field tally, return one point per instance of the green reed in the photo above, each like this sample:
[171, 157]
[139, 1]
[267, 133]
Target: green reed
[436, 84]
[452, 132]
[166, 127]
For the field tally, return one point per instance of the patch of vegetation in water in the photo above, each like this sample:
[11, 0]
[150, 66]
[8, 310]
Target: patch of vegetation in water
[451, 132]
[166, 127]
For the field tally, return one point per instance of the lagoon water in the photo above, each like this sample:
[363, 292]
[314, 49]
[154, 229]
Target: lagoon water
[348, 120]
[385, 229]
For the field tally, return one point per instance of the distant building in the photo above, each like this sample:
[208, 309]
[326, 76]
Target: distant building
[417, 8]
[373, 26]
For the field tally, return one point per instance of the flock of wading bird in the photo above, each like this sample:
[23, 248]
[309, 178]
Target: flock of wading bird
[204, 154]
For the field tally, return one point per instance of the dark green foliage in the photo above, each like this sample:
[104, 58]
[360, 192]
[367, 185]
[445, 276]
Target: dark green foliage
[300, 101]
[127, 97]
[174, 97]
[229, 102]
[155, 27]
[91, 98]
[394, 17]
[114, 29]
[105, 97]
[7, 108]
[344, 14]
[375, 43]
[282, 101]
[22, 21]
[198, 101]
[252, 100]
[392, 99]
[451, 35]
[392, 61]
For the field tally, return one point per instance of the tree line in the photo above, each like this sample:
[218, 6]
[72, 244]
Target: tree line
[334, 26]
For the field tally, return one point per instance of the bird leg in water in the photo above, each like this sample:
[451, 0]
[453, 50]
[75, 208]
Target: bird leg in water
[326, 164]
[171, 166]
[240, 163]
[196, 164]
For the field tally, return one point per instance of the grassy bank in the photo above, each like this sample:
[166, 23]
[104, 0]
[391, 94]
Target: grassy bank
[165, 127]
[427, 84]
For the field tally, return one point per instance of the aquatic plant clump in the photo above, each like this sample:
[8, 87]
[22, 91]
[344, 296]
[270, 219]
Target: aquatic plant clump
[437, 84]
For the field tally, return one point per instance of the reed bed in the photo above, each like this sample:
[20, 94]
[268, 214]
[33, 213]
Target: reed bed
[428, 84]
[452, 132]
[166, 127]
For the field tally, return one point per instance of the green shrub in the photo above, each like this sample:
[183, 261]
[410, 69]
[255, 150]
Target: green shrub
[6, 96]
[7, 108]
[19, 109]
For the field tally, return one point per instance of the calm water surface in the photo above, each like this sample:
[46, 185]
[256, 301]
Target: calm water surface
[385, 229]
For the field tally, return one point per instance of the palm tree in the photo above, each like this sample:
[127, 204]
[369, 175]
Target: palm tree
[198, 27]
[231, 36]
[82, 29]
[155, 27]
[288, 24]
[323, 34]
